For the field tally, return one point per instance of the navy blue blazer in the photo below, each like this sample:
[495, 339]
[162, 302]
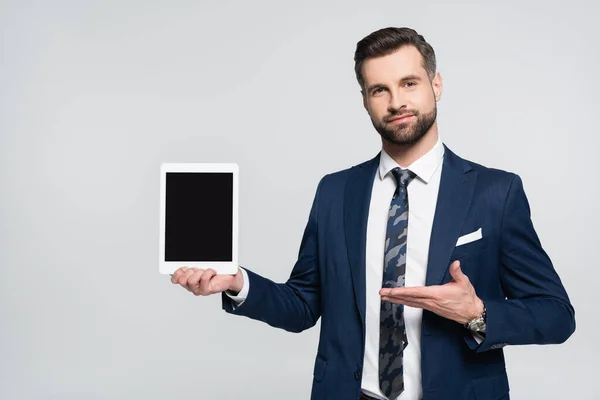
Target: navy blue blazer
[525, 300]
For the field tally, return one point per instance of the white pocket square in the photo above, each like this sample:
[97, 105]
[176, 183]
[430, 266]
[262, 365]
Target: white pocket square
[469, 237]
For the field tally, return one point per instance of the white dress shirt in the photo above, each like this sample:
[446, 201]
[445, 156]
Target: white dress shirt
[422, 199]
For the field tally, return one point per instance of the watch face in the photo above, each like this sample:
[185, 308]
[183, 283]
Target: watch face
[478, 325]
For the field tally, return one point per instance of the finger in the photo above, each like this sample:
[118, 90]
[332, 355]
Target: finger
[416, 292]
[205, 281]
[175, 276]
[456, 271]
[184, 277]
[423, 304]
[194, 279]
[394, 300]
[418, 303]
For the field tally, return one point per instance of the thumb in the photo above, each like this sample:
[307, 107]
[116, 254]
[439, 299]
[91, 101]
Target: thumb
[221, 282]
[456, 271]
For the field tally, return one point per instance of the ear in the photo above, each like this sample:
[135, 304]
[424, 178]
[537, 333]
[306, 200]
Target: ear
[437, 85]
[364, 100]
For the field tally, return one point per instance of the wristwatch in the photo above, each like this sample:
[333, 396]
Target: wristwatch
[477, 324]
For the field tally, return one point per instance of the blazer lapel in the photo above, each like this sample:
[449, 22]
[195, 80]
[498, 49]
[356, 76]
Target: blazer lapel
[357, 199]
[454, 199]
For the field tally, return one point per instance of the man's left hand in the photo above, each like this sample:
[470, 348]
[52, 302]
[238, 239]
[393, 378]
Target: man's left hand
[455, 300]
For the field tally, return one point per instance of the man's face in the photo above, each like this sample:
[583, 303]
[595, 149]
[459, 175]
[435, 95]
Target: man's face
[399, 97]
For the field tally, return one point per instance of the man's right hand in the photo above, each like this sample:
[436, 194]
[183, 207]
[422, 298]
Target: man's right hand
[204, 282]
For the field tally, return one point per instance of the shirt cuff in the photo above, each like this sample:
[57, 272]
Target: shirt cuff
[478, 336]
[243, 294]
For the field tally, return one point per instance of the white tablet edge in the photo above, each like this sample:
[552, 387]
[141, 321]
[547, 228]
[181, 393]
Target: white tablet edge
[221, 267]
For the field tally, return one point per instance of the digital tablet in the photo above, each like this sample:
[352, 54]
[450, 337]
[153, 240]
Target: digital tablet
[198, 217]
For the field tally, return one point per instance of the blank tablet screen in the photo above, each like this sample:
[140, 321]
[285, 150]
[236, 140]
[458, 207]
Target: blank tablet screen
[198, 216]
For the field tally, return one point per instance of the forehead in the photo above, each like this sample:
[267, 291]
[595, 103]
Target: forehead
[405, 61]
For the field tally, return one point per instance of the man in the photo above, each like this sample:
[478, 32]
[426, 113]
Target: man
[421, 264]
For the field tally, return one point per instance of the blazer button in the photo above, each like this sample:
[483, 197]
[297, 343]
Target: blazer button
[357, 375]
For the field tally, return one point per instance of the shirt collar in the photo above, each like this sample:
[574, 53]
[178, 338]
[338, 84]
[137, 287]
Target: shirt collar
[424, 167]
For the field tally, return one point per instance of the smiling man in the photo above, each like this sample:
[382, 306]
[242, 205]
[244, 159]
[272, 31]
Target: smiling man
[422, 265]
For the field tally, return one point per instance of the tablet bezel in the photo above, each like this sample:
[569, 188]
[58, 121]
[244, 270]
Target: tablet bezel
[221, 267]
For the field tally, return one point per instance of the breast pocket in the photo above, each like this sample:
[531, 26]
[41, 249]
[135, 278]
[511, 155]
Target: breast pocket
[470, 249]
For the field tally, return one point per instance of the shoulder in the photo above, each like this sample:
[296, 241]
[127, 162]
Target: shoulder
[336, 181]
[488, 176]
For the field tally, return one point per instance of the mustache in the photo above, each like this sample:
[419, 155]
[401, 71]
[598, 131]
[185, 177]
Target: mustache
[402, 114]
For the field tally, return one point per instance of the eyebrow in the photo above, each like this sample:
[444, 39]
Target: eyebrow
[403, 80]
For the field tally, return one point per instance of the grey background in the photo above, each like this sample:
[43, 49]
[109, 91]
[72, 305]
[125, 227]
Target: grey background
[94, 95]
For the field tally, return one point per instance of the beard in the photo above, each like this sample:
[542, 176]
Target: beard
[406, 132]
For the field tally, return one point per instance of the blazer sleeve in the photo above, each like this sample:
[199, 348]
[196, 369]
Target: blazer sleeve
[537, 309]
[296, 304]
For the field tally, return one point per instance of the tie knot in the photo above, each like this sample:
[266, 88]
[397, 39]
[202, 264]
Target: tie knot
[403, 176]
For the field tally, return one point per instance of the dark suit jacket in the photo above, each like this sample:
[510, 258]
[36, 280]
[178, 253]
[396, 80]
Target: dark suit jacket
[525, 300]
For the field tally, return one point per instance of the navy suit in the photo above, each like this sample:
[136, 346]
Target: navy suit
[525, 300]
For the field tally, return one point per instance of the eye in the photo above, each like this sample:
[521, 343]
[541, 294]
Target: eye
[377, 90]
[411, 83]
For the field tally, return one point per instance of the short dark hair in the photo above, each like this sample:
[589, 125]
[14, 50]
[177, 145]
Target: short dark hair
[388, 40]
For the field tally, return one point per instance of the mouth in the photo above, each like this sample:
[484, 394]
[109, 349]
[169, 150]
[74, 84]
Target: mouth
[401, 119]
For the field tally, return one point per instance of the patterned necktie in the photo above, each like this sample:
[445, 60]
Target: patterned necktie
[392, 332]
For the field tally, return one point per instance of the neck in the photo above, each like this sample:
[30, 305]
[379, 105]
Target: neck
[406, 154]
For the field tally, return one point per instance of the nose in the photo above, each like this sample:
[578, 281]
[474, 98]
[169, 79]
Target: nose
[396, 102]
